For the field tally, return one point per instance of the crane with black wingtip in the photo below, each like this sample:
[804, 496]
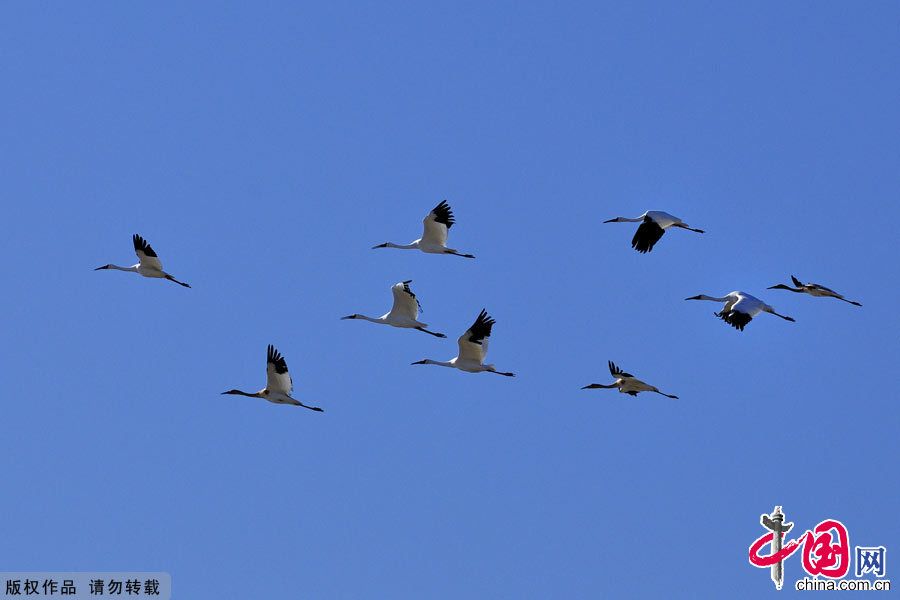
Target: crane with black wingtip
[436, 226]
[404, 313]
[148, 265]
[813, 289]
[473, 347]
[740, 308]
[279, 384]
[626, 383]
[653, 224]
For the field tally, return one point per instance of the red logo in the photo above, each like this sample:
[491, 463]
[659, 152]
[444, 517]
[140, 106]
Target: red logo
[826, 548]
[822, 555]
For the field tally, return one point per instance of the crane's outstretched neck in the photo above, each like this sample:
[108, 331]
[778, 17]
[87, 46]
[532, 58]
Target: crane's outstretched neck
[625, 220]
[412, 246]
[428, 361]
[364, 318]
[711, 298]
[118, 268]
[596, 386]
[782, 286]
[240, 393]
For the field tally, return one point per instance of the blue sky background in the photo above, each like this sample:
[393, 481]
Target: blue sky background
[264, 149]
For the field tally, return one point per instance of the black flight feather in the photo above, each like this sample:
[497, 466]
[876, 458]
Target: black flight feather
[142, 245]
[443, 214]
[736, 319]
[481, 328]
[646, 236]
[274, 357]
[617, 372]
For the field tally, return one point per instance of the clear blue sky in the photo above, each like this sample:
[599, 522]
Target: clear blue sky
[264, 149]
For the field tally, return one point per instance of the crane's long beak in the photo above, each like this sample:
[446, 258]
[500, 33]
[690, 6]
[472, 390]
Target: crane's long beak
[348, 317]
[616, 220]
[103, 267]
[693, 298]
[418, 362]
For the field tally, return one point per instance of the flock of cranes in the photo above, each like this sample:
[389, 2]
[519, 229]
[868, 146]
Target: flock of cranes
[738, 310]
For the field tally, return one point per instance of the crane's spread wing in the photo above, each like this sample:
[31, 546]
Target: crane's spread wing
[797, 282]
[473, 344]
[646, 236]
[145, 253]
[277, 377]
[823, 288]
[405, 302]
[736, 319]
[617, 372]
[737, 313]
[743, 304]
[437, 223]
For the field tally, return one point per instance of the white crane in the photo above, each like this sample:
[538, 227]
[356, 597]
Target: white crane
[740, 308]
[434, 235]
[278, 383]
[627, 383]
[473, 347]
[653, 225]
[148, 265]
[813, 289]
[404, 313]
